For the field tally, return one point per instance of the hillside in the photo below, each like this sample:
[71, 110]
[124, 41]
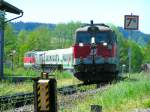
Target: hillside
[137, 36]
[30, 25]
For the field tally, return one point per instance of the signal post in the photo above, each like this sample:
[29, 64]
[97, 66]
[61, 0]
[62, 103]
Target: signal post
[45, 94]
[131, 22]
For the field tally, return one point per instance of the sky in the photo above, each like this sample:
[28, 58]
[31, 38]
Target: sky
[100, 11]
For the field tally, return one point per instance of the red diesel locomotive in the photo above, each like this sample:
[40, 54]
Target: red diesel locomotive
[95, 53]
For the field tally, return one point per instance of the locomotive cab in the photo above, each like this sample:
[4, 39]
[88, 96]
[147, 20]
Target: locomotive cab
[29, 59]
[95, 53]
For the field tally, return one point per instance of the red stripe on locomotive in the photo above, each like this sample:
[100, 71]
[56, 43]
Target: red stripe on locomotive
[106, 52]
[84, 51]
[81, 51]
[29, 60]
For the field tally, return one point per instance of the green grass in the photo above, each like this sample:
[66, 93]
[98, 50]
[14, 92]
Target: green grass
[120, 97]
[21, 72]
[62, 75]
[146, 103]
[7, 88]
[123, 96]
[35, 73]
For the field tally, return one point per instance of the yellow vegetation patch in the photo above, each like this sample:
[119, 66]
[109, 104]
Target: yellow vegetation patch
[66, 82]
[7, 88]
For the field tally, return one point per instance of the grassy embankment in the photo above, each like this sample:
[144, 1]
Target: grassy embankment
[64, 78]
[123, 96]
[8, 87]
[21, 72]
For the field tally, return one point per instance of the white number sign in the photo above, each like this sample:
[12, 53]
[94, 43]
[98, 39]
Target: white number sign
[131, 22]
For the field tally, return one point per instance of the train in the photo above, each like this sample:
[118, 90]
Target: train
[93, 57]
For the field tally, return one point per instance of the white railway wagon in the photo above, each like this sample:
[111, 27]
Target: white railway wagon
[59, 57]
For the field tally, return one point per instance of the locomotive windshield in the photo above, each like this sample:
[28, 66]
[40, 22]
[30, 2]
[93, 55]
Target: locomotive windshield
[29, 54]
[102, 37]
[85, 37]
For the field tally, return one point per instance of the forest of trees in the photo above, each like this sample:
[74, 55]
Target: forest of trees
[62, 36]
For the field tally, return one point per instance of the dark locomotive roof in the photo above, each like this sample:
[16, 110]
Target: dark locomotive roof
[101, 27]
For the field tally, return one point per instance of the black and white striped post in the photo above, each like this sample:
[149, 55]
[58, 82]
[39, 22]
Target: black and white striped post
[45, 94]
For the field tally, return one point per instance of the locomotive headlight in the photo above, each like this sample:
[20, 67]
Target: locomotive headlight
[105, 44]
[81, 44]
[93, 40]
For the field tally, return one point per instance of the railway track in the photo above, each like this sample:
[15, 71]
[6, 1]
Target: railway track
[65, 101]
[22, 99]
[16, 100]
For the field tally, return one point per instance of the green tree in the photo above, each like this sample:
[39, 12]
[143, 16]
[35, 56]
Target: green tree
[136, 56]
[146, 53]
[122, 46]
[10, 38]
[22, 46]
[65, 33]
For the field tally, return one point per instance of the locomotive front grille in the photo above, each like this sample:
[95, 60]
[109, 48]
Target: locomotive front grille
[95, 68]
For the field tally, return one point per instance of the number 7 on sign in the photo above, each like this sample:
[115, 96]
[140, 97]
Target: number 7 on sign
[131, 22]
[130, 19]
